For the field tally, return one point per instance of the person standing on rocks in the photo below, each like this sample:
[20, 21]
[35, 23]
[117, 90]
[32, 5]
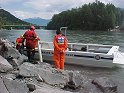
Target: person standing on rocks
[31, 39]
[60, 46]
[20, 44]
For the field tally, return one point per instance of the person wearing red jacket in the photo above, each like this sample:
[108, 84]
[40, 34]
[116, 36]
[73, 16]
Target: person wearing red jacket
[20, 44]
[60, 46]
[31, 39]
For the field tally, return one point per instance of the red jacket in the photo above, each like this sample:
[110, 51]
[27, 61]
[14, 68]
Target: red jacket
[19, 42]
[31, 39]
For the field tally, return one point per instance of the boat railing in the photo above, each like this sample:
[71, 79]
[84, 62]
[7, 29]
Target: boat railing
[63, 30]
[89, 47]
[46, 45]
[96, 48]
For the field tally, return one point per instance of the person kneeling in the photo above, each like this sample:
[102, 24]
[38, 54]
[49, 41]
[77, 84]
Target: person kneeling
[20, 44]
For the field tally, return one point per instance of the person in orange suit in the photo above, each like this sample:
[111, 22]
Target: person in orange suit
[31, 39]
[60, 46]
[20, 44]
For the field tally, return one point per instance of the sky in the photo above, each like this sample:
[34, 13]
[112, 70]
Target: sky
[46, 8]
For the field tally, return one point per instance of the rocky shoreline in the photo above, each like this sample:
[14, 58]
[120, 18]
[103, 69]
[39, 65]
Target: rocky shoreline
[19, 76]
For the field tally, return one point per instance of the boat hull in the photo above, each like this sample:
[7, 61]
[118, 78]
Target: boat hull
[78, 59]
[95, 55]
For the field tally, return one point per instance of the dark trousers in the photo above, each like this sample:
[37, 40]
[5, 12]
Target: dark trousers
[30, 54]
[21, 49]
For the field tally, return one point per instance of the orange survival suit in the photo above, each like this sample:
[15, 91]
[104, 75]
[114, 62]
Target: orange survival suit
[60, 45]
[31, 41]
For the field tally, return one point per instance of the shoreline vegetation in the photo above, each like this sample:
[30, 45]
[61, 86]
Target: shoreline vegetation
[20, 76]
[92, 16]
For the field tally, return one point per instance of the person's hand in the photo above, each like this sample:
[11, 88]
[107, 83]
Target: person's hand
[62, 51]
[37, 38]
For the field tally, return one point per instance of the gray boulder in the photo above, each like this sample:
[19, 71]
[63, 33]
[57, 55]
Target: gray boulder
[49, 90]
[10, 76]
[105, 84]
[39, 78]
[10, 53]
[3, 87]
[7, 85]
[4, 65]
[13, 54]
[3, 47]
[31, 87]
[14, 86]
[80, 83]
[76, 81]
[76, 78]
[49, 75]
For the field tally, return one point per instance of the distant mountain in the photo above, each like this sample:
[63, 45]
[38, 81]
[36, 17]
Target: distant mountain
[38, 21]
[8, 19]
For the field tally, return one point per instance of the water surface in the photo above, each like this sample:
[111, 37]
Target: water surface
[97, 37]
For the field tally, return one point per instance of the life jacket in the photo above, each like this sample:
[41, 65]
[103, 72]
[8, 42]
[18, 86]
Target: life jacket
[19, 42]
[61, 41]
[31, 39]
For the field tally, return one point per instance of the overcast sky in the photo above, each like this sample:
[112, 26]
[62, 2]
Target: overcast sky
[46, 8]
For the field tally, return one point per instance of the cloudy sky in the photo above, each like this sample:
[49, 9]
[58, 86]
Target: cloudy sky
[46, 8]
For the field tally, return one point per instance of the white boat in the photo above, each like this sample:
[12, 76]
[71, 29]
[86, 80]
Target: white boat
[94, 55]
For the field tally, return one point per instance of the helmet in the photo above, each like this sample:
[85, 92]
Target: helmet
[32, 27]
[21, 36]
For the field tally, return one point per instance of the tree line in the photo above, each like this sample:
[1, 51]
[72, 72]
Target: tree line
[92, 16]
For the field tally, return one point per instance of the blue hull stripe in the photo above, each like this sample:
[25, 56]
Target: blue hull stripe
[92, 57]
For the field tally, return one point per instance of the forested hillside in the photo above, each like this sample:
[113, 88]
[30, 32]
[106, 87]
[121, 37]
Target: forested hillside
[92, 16]
[38, 21]
[8, 19]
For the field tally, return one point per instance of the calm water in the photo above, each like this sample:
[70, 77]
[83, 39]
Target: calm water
[98, 37]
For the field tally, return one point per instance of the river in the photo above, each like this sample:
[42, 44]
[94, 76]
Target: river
[98, 37]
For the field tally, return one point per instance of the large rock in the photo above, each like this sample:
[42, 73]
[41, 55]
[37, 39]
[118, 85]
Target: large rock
[13, 54]
[31, 87]
[49, 75]
[4, 65]
[10, 76]
[3, 87]
[14, 63]
[76, 78]
[49, 90]
[3, 47]
[44, 88]
[105, 84]
[14, 86]
[76, 82]
[10, 53]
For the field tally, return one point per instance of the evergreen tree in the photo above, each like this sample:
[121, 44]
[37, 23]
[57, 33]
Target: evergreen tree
[92, 16]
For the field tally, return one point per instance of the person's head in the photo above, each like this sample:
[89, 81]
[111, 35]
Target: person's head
[32, 28]
[58, 32]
